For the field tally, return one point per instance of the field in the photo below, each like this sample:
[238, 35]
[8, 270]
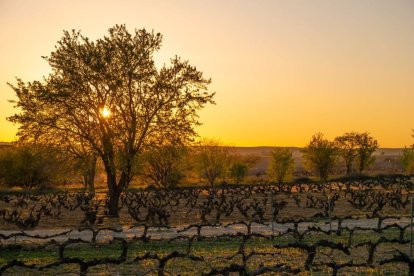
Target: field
[387, 160]
[348, 226]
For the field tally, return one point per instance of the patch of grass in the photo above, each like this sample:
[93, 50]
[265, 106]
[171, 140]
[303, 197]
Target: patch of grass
[214, 251]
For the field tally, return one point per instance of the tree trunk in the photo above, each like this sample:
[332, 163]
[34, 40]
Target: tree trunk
[91, 183]
[113, 193]
[362, 161]
[411, 268]
[115, 190]
[113, 203]
[348, 168]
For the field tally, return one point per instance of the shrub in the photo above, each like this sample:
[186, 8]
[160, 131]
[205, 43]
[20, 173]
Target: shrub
[29, 167]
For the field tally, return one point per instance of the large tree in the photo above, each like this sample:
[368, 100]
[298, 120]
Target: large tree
[109, 94]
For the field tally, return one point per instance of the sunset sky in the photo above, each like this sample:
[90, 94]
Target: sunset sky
[282, 70]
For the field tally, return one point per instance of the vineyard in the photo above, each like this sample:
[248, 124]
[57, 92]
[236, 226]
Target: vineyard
[348, 226]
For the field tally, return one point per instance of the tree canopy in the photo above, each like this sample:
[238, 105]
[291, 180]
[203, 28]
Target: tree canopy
[321, 155]
[348, 144]
[367, 145]
[109, 95]
[281, 164]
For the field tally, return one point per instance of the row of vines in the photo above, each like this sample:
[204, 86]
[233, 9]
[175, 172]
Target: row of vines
[347, 226]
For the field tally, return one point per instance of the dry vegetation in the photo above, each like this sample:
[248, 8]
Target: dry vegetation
[214, 231]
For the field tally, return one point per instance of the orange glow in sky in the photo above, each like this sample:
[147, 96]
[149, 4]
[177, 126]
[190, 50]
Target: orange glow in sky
[281, 70]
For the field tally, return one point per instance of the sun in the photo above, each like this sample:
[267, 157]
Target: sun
[105, 112]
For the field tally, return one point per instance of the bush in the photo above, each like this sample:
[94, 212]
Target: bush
[407, 160]
[281, 164]
[164, 165]
[29, 167]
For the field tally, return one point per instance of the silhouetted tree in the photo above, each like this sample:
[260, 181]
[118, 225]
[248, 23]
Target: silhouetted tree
[367, 145]
[109, 94]
[320, 155]
[281, 164]
[347, 145]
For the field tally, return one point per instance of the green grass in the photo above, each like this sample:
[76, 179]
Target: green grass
[212, 250]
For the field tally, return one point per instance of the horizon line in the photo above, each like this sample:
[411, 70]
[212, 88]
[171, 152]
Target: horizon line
[10, 142]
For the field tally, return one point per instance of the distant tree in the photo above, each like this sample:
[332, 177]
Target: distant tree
[164, 165]
[109, 94]
[31, 166]
[75, 150]
[281, 164]
[85, 164]
[213, 159]
[240, 165]
[366, 146]
[83, 156]
[238, 171]
[347, 145]
[407, 160]
[320, 155]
